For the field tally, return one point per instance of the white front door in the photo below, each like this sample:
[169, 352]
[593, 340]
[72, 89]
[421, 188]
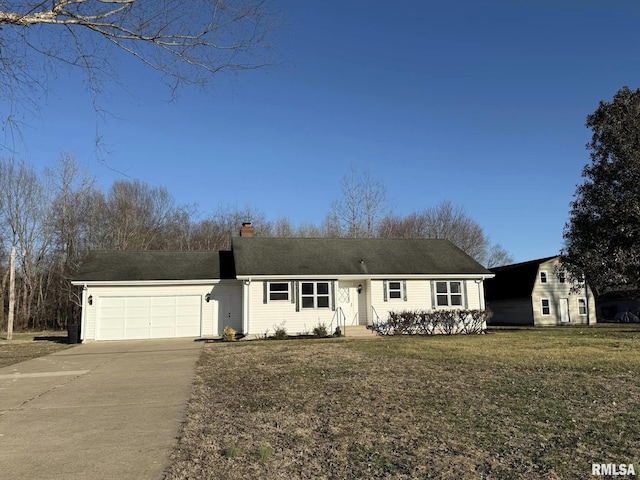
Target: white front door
[564, 310]
[352, 303]
[227, 308]
[347, 300]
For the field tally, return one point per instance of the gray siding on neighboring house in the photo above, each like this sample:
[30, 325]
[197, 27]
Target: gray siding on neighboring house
[516, 311]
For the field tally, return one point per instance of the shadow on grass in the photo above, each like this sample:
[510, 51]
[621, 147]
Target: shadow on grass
[52, 338]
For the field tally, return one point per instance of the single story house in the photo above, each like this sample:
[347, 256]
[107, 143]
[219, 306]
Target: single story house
[537, 293]
[263, 283]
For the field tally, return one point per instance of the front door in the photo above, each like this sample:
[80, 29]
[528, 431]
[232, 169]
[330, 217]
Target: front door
[352, 303]
[348, 301]
[223, 313]
[564, 310]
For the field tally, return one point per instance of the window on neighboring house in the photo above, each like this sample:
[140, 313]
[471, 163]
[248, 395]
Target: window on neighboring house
[278, 291]
[314, 295]
[582, 306]
[561, 277]
[394, 290]
[543, 277]
[546, 307]
[449, 294]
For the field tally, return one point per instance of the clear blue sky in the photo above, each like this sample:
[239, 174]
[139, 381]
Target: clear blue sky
[479, 103]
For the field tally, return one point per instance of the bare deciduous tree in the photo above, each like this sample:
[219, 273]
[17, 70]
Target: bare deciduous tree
[139, 215]
[361, 206]
[187, 42]
[449, 222]
[24, 214]
[497, 256]
[70, 224]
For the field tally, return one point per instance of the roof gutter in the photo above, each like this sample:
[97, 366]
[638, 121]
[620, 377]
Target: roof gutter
[93, 283]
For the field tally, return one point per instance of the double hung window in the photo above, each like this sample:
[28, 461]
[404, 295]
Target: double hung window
[449, 294]
[279, 291]
[315, 295]
[546, 306]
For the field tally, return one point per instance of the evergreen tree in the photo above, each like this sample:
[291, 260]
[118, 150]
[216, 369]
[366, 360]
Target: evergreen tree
[602, 237]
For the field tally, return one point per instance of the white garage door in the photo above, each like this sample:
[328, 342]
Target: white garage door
[125, 318]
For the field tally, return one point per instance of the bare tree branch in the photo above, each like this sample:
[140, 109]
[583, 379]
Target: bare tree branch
[188, 42]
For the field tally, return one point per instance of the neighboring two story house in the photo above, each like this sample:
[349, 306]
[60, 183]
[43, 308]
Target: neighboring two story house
[537, 293]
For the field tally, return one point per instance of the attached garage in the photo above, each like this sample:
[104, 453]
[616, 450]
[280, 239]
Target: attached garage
[157, 294]
[121, 318]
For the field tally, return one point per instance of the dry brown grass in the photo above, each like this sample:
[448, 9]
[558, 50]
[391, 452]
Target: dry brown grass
[514, 404]
[27, 345]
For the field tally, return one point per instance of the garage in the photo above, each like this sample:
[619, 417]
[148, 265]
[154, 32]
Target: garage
[144, 317]
[129, 295]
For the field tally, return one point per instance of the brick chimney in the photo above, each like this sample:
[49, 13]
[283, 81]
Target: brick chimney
[246, 230]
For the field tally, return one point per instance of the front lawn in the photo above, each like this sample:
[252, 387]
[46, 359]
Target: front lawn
[27, 345]
[512, 404]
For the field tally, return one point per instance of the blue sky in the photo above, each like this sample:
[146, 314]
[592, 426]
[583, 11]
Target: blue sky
[479, 103]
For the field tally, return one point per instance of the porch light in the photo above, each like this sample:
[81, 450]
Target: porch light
[90, 300]
[359, 289]
[207, 297]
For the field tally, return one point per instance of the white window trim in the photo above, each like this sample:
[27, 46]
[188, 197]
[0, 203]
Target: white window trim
[403, 295]
[288, 299]
[449, 294]
[586, 306]
[315, 296]
[543, 274]
[542, 300]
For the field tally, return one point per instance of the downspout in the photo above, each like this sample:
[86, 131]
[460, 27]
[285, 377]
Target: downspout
[246, 285]
[479, 283]
[83, 313]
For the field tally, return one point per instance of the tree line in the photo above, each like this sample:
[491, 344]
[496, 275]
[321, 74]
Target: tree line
[54, 218]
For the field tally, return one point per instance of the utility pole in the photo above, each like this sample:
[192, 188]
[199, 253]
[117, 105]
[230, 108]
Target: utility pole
[12, 291]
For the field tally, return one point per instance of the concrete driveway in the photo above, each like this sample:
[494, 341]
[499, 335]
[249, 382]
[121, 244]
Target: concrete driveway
[108, 410]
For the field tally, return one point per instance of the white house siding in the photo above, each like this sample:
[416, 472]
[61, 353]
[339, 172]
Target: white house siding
[265, 317]
[419, 296]
[111, 292]
[555, 291]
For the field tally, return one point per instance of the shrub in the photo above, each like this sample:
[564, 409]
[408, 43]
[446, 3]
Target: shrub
[320, 330]
[279, 332]
[228, 334]
[422, 322]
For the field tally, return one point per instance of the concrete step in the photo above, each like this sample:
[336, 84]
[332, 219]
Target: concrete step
[360, 331]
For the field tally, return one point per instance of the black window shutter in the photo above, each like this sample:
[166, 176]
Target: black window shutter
[333, 295]
[384, 287]
[265, 291]
[404, 289]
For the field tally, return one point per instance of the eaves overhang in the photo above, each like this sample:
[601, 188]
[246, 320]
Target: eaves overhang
[133, 283]
[465, 276]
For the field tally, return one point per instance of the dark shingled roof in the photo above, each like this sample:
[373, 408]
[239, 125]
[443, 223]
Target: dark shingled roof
[513, 281]
[350, 256]
[117, 265]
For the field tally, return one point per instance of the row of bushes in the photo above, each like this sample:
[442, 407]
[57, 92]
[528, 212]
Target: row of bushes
[422, 322]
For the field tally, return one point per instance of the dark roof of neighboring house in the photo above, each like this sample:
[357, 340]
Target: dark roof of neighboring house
[513, 281]
[118, 265]
[350, 256]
